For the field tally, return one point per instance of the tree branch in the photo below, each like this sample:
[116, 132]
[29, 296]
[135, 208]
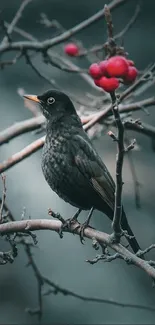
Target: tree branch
[21, 128]
[14, 22]
[116, 223]
[24, 226]
[54, 288]
[45, 45]
[19, 156]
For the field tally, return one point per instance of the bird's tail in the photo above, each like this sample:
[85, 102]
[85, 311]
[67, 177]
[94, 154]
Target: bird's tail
[132, 241]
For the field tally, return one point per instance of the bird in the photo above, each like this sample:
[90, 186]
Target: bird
[70, 163]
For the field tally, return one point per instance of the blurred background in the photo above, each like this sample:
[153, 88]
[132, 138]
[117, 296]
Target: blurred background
[64, 260]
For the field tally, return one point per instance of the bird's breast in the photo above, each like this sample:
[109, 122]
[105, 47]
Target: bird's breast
[56, 161]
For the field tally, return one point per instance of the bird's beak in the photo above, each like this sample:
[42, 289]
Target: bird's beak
[32, 97]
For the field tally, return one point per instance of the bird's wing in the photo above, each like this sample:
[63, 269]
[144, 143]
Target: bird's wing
[93, 169]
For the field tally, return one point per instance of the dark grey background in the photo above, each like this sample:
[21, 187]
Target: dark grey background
[64, 260]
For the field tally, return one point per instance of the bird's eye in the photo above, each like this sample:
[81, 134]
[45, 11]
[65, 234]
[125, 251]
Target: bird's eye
[50, 100]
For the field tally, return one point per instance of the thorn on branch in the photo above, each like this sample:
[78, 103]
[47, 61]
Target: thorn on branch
[131, 145]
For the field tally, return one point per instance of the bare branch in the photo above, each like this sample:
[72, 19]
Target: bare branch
[3, 196]
[88, 121]
[136, 182]
[19, 156]
[22, 33]
[5, 63]
[21, 128]
[55, 225]
[15, 21]
[45, 45]
[101, 47]
[129, 24]
[50, 60]
[116, 223]
[143, 128]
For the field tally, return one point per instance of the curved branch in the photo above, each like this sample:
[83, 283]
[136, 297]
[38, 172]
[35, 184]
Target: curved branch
[19, 156]
[101, 237]
[21, 128]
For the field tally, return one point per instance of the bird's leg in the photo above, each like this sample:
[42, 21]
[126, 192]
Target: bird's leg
[68, 223]
[85, 225]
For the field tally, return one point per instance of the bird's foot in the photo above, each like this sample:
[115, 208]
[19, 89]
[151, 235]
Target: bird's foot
[66, 224]
[83, 226]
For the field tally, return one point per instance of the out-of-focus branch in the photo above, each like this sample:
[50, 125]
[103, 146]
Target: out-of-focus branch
[6, 63]
[36, 122]
[21, 128]
[98, 48]
[143, 128]
[19, 156]
[22, 33]
[88, 121]
[45, 45]
[14, 22]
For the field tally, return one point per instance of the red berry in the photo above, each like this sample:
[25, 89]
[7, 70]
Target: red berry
[109, 84]
[71, 49]
[95, 71]
[97, 82]
[103, 65]
[132, 74]
[130, 63]
[117, 66]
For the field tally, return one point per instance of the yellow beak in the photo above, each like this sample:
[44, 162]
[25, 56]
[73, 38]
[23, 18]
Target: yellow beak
[32, 97]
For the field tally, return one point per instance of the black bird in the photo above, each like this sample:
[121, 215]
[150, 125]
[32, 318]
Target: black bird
[70, 163]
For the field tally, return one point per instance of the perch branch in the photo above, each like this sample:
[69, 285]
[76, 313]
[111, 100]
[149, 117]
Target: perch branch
[43, 224]
[55, 289]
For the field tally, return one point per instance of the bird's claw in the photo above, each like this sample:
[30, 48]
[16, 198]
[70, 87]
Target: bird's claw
[67, 225]
[82, 228]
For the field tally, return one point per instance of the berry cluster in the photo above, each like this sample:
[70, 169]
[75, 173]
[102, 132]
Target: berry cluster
[107, 74]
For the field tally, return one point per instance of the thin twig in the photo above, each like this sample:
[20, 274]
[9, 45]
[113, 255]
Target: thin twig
[129, 24]
[134, 177]
[101, 47]
[22, 33]
[3, 177]
[15, 21]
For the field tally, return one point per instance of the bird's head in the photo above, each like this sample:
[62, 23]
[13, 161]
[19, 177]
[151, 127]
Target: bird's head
[54, 104]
